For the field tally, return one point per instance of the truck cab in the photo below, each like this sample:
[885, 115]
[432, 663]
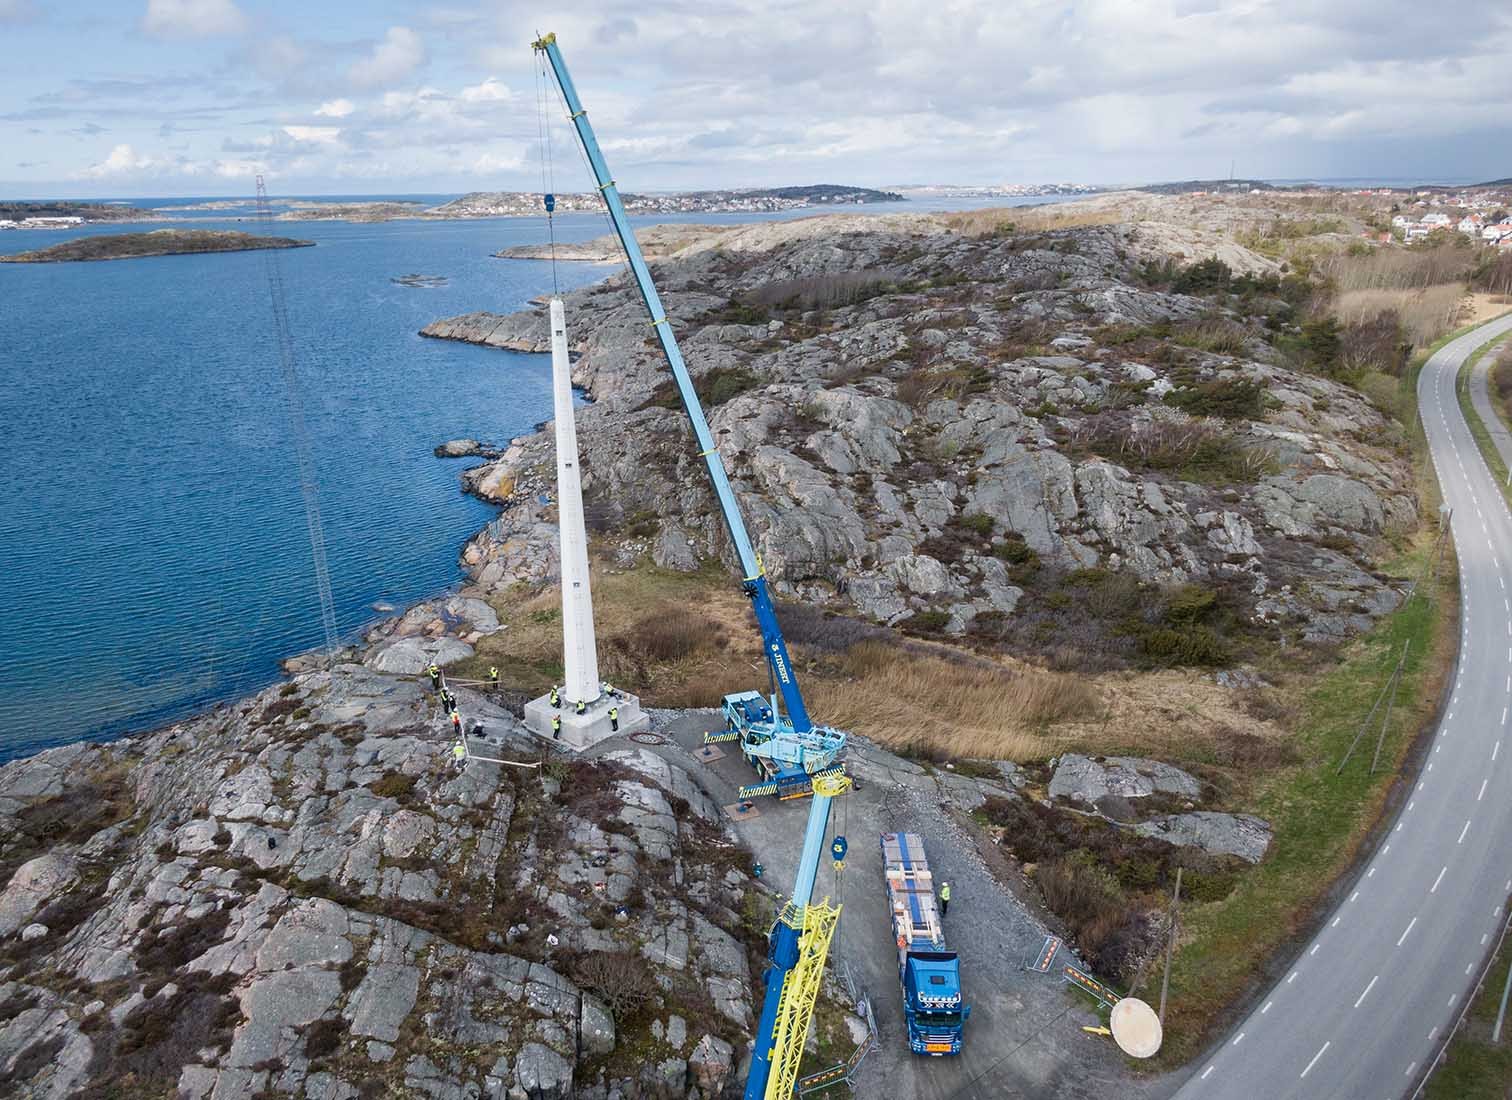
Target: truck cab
[932, 1002]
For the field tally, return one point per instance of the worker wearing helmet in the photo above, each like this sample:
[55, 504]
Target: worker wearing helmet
[493, 675]
[582, 707]
[555, 697]
[459, 754]
[435, 675]
[944, 898]
[556, 726]
[457, 723]
[614, 718]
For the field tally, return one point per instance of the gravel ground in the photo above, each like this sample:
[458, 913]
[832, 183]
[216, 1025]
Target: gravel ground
[1024, 1036]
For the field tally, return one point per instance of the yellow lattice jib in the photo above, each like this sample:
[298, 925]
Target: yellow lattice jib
[799, 992]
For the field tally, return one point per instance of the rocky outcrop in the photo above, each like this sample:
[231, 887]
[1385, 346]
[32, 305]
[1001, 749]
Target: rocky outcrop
[300, 894]
[1089, 780]
[1242, 835]
[1009, 399]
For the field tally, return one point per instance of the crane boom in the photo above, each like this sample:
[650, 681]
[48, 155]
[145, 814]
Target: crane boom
[773, 644]
[801, 934]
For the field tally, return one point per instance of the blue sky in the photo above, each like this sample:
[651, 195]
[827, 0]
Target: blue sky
[194, 97]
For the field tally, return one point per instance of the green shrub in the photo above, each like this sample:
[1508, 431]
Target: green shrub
[1190, 646]
[926, 622]
[979, 524]
[1230, 399]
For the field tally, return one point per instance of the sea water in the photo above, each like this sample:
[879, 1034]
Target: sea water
[154, 556]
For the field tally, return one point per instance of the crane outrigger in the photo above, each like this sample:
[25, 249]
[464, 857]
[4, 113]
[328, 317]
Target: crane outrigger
[793, 753]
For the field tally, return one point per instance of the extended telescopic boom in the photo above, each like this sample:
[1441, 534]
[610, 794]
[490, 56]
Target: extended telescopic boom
[801, 934]
[755, 578]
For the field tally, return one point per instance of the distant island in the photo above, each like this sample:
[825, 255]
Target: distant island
[375, 210]
[16, 214]
[495, 204]
[1187, 187]
[159, 242]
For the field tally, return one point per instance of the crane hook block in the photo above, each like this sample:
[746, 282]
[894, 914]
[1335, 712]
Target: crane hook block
[838, 848]
[550, 201]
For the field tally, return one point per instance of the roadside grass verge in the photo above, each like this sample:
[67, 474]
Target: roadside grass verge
[1473, 1068]
[1321, 819]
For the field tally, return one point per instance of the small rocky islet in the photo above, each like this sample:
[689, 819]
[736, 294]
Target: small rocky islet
[157, 242]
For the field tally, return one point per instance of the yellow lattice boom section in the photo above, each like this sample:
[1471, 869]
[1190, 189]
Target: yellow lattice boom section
[799, 992]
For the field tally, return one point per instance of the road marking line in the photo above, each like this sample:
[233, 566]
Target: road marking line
[1434, 888]
[1292, 978]
[1482, 790]
[1266, 1008]
[1484, 937]
[1336, 921]
[1210, 1070]
[1429, 768]
[1504, 716]
[1410, 925]
[1238, 1039]
[1368, 988]
[1454, 997]
[1357, 894]
[1315, 947]
[1316, 1056]
[1370, 873]
[1398, 828]
[1469, 968]
[1431, 1033]
[1496, 748]
[1414, 801]
[1386, 849]
[1463, 831]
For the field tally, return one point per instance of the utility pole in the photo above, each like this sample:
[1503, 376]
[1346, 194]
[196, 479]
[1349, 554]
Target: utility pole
[1396, 679]
[1165, 980]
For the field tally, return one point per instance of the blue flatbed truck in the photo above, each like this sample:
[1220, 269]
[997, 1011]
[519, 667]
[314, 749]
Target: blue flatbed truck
[934, 1007]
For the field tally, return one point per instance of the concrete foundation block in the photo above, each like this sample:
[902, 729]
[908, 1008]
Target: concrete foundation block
[580, 731]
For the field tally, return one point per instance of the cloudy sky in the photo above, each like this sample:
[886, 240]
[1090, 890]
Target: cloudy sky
[194, 97]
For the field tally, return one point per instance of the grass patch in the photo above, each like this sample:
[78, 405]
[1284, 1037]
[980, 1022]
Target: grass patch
[932, 700]
[1473, 1068]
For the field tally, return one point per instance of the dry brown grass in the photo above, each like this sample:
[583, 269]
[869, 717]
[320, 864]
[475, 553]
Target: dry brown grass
[944, 704]
[1426, 313]
[1031, 219]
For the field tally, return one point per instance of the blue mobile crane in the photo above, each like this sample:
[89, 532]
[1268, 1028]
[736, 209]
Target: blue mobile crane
[793, 750]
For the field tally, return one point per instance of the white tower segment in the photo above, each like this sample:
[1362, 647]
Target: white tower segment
[580, 655]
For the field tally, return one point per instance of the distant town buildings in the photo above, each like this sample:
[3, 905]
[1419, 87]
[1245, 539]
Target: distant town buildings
[40, 223]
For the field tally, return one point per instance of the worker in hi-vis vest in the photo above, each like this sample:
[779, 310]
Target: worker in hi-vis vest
[459, 754]
[556, 726]
[582, 707]
[493, 675]
[614, 718]
[435, 675]
[555, 697]
[944, 898]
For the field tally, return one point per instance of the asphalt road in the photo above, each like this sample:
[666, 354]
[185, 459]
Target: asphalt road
[1366, 1006]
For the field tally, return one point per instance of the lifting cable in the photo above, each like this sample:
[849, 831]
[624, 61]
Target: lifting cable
[548, 171]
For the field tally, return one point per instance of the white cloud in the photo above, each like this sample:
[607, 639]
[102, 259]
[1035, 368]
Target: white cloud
[492, 90]
[401, 52]
[335, 108]
[314, 135]
[193, 18]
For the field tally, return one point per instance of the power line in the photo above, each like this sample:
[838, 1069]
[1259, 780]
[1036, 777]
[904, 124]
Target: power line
[294, 403]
